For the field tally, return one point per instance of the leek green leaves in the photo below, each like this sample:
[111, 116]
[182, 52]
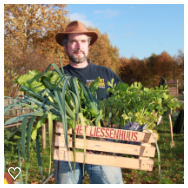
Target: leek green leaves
[52, 95]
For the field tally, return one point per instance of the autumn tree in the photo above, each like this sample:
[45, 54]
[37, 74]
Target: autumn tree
[10, 71]
[124, 70]
[178, 69]
[149, 71]
[180, 61]
[133, 70]
[29, 38]
[152, 75]
[163, 64]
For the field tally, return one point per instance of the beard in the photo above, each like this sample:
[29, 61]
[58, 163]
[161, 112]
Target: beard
[76, 59]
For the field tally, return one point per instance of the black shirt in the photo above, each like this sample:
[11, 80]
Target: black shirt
[90, 73]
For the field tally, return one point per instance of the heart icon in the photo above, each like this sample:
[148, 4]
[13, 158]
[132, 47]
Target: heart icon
[14, 170]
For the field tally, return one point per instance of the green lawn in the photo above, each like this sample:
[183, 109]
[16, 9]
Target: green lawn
[172, 161]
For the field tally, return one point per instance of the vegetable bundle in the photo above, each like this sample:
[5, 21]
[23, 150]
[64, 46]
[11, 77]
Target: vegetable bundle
[53, 95]
[136, 103]
[51, 85]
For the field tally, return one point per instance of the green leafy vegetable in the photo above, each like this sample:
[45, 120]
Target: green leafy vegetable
[136, 103]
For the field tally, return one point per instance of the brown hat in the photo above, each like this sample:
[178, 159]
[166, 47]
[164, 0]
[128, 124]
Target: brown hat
[76, 27]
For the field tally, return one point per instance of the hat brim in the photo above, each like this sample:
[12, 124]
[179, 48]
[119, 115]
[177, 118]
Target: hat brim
[60, 36]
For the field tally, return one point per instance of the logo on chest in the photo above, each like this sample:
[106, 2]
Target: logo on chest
[101, 83]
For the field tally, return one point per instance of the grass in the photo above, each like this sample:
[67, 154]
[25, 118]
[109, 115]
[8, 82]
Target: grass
[172, 162]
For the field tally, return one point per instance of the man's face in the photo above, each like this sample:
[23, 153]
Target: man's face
[77, 48]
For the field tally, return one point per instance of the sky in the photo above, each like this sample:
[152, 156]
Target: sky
[138, 30]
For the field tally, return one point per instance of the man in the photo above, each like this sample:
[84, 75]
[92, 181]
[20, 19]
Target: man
[76, 40]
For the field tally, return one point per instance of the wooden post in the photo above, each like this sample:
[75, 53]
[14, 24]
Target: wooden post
[171, 131]
[44, 136]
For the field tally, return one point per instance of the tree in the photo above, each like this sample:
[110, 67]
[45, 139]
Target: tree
[29, 38]
[179, 68]
[180, 62]
[123, 69]
[151, 61]
[163, 66]
[150, 70]
[133, 70]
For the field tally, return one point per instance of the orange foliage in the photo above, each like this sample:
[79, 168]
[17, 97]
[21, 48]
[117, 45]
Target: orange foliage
[29, 39]
[150, 70]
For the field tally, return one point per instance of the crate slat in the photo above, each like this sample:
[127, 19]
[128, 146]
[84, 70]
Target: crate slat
[123, 162]
[106, 146]
[110, 133]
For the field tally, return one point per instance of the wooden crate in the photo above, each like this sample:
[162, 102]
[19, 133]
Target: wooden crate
[142, 152]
